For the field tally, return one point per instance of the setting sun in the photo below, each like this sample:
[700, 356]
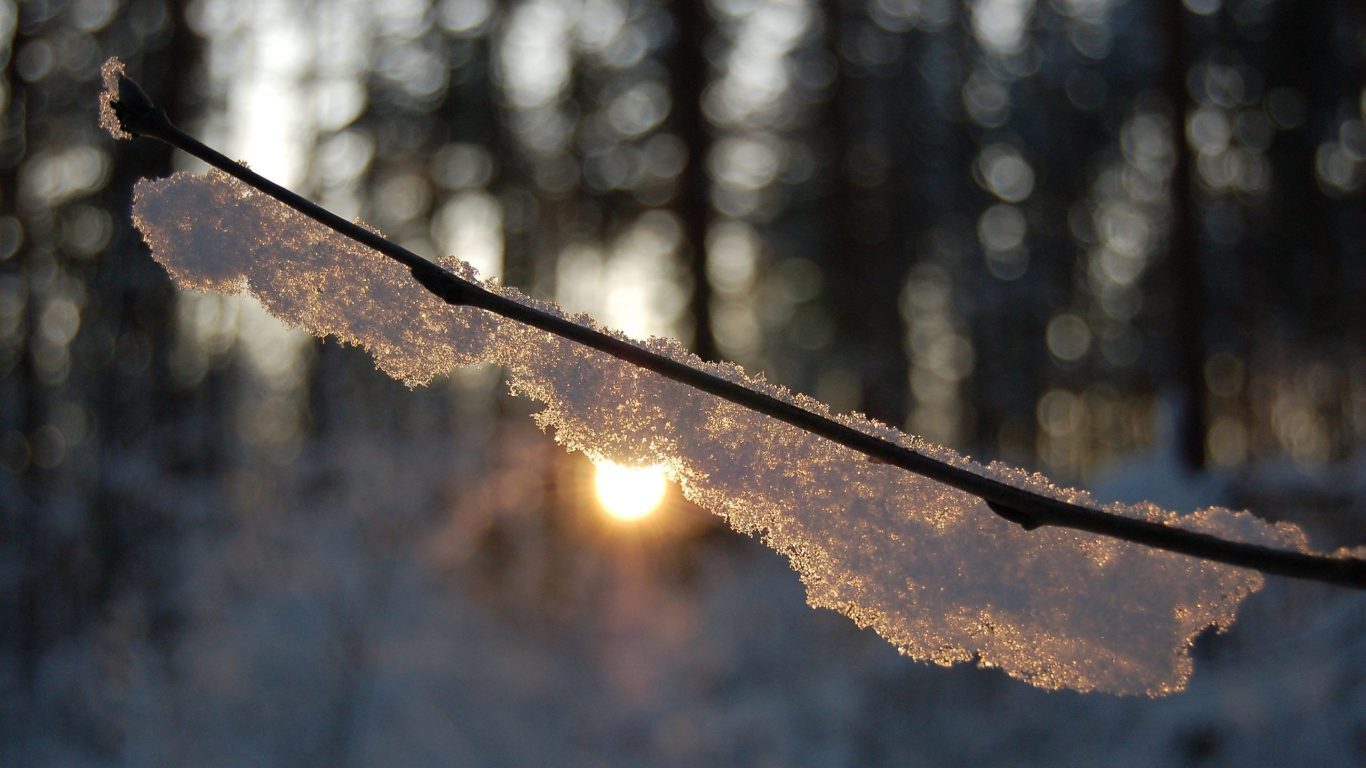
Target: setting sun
[628, 493]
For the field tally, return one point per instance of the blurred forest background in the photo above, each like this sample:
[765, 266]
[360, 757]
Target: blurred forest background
[1116, 241]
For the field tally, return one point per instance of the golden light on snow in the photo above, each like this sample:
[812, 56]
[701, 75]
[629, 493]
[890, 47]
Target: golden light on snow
[927, 565]
[628, 493]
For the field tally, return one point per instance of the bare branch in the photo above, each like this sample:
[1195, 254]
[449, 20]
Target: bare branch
[136, 115]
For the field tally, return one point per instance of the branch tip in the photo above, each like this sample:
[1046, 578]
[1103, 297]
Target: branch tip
[126, 111]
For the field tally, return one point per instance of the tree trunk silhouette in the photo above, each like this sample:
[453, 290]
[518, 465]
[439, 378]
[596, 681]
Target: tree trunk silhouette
[688, 75]
[869, 252]
[21, 522]
[1184, 268]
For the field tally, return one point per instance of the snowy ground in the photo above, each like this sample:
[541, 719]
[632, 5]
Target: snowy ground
[430, 606]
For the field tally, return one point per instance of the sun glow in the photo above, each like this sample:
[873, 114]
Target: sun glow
[628, 493]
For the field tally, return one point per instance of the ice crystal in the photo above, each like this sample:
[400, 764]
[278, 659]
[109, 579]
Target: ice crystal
[110, 72]
[927, 566]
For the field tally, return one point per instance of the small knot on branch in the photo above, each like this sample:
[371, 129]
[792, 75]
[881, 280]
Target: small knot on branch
[1025, 521]
[443, 284]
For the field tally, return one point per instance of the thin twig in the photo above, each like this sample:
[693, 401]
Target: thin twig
[140, 117]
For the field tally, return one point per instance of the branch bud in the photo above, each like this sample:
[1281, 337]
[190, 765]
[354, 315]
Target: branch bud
[126, 110]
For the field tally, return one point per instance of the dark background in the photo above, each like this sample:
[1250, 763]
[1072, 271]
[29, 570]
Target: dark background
[1115, 241]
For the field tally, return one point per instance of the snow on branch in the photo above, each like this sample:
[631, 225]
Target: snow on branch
[930, 566]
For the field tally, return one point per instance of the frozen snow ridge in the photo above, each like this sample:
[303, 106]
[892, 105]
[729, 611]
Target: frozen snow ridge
[928, 566]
